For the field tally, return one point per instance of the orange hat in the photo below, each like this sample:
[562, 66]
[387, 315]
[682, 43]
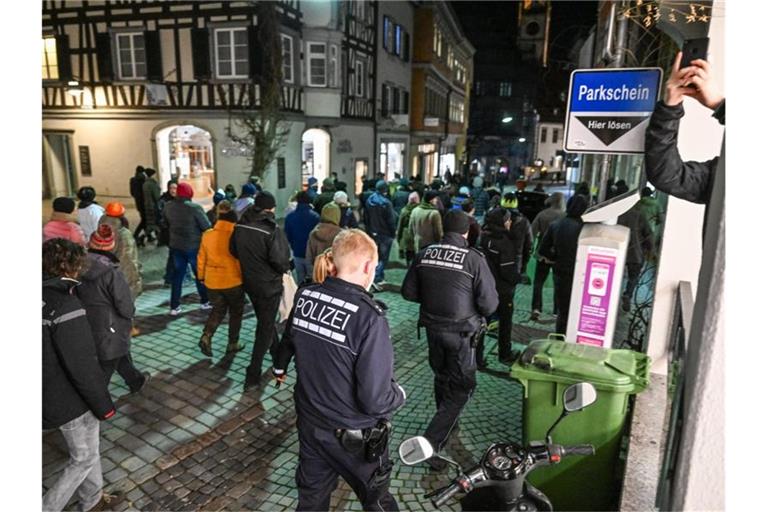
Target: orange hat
[115, 209]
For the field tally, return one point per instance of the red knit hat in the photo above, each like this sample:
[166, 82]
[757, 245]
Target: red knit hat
[103, 239]
[185, 190]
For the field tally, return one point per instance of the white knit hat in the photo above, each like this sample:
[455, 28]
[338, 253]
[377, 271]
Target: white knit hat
[341, 198]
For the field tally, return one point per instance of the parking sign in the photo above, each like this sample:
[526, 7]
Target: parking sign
[608, 109]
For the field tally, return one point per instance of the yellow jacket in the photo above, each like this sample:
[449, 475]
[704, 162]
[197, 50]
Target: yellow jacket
[216, 267]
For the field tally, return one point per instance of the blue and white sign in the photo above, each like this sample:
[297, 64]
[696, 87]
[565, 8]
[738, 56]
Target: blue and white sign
[608, 109]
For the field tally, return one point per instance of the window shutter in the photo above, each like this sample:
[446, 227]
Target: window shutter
[385, 32]
[154, 56]
[201, 60]
[406, 47]
[62, 57]
[255, 63]
[406, 102]
[395, 101]
[104, 56]
[384, 101]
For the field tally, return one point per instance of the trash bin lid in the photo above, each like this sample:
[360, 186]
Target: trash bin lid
[608, 369]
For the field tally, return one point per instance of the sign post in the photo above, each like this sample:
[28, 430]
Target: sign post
[608, 109]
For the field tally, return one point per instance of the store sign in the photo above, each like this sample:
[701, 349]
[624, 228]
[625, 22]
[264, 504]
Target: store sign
[609, 109]
[596, 297]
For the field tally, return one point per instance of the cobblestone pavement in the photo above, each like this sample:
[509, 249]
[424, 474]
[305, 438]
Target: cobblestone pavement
[192, 440]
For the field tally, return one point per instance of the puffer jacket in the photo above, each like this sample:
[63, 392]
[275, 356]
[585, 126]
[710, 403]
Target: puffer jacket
[64, 225]
[88, 216]
[216, 266]
[186, 224]
[426, 224]
[73, 382]
[481, 200]
[692, 181]
[320, 239]
[127, 254]
[521, 234]
[107, 299]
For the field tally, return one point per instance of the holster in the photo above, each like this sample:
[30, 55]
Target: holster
[478, 335]
[371, 442]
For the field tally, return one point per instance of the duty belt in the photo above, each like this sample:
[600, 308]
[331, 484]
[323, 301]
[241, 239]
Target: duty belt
[370, 442]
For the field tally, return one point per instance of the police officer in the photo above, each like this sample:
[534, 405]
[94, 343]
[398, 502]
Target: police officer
[456, 290]
[345, 389]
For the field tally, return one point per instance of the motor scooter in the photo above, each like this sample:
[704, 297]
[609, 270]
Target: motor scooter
[498, 481]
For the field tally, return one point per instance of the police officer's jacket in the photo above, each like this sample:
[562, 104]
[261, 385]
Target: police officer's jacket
[340, 339]
[453, 284]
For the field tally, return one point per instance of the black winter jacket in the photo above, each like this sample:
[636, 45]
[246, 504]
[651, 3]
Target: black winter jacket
[340, 339]
[263, 250]
[640, 236]
[107, 299]
[453, 284]
[523, 235]
[186, 224]
[380, 216]
[501, 249]
[73, 382]
[665, 169]
[561, 241]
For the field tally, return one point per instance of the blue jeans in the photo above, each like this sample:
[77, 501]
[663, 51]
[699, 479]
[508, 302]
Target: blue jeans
[83, 471]
[303, 269]
[384, 244]
[181, 260]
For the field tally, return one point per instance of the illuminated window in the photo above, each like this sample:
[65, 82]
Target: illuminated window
[50, 60]
[231, 52]
[131, 55]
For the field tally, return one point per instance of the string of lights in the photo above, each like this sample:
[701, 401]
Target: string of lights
[646, 13]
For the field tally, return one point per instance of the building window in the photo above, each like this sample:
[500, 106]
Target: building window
[333, 66]
[437, 42]
[398, 40]
[387, 34]
[231, 52]
[131, 56]
[505, 89]
[450, 59]
[50, 60]
[404, 102]
[543, 137]
[384, 100]
[287, 47]
[359, 79]
[316, 64]
[555, 134]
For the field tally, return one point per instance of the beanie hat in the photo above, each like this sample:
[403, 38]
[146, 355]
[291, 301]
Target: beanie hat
[149, 171]
[464, 191]
[264, 201]
[497, 217]
[218, 197]
[185, 190]
[86, 194]
[331, 213]
[381, 186]
[115, 209]
[341, 198]
[103, 239]
[328, 184]
[456, 221]
[429, 195]
[248, 189]
[477, 182]
[63, 205]
[312, 181]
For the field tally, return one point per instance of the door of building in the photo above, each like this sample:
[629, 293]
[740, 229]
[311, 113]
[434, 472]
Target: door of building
[59, 177]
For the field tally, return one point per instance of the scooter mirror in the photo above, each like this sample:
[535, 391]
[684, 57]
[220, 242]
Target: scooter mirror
[415, 450]
[578, 396]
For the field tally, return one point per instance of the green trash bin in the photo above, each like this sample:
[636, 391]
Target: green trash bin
[545, 369]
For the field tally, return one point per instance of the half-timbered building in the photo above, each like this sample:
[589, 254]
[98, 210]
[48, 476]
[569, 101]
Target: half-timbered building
[157, 83]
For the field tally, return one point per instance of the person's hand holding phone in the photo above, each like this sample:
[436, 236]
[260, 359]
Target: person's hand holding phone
[694, 81]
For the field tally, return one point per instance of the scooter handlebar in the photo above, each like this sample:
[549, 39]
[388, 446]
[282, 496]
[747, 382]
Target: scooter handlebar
[578, 449]
[442, 497]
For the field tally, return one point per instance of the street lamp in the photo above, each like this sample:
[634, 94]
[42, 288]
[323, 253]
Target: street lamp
[507, 119]
[521, 139]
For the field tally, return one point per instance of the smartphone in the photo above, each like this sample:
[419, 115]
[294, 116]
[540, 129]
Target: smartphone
[694, 49]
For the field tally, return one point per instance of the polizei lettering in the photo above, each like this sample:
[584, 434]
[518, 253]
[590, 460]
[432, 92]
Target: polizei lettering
[447, 255]
[622, 93]
[322, 313]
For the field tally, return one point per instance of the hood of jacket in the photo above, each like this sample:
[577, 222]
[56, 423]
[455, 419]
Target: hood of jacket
[577, 205]
[377, 199]
[252, 216]
[326, 232]
[59, 283]
[427, 206]
[224, 225]
[94, 268]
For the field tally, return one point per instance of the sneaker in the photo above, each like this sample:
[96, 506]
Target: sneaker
[205, 346]
[176, 312]
[206, 306]
[108, 502]
[535, 315]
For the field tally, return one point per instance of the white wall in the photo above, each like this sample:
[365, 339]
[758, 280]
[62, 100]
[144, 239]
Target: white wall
[546, 150]
[360, 137]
